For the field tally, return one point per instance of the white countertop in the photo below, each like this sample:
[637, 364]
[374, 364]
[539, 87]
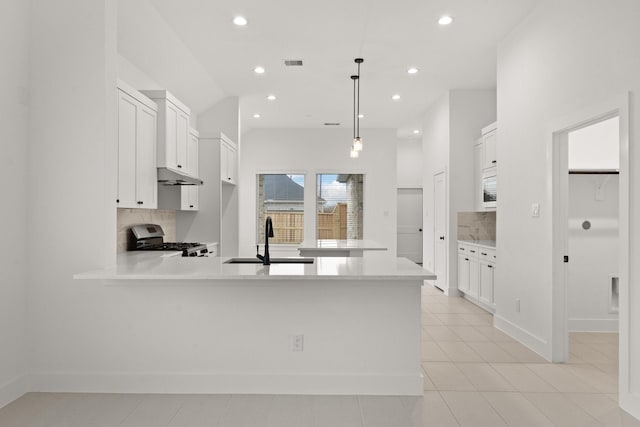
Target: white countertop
[150, 266]
[331, 244]
[491, 244]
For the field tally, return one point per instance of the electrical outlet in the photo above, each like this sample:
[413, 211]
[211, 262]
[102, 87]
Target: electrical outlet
[535, 210]
[517, 305]
[297, 343]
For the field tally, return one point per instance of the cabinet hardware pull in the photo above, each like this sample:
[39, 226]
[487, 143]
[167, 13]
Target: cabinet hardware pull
[117, 200]
[466, 259]
[473, 252]
[140, 202]
[180, 166]
[483, 253]
[190, 206]
[490, 266]
[441, 237]
[493, 162]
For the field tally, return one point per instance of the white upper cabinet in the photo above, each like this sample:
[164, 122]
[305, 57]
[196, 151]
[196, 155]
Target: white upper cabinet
[228, 160]
[173, 130]
[189, 194]
[184, 197]
[137, 176]
[489, 139]
[192, 153]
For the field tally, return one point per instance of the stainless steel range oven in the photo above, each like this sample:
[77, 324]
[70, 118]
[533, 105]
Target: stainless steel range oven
[150, 237]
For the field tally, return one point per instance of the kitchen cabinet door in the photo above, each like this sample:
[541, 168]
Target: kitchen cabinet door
[137, 177]
[474, 277]
[477, 181]
[487, 273]
[127, 133]
[228, 161]
[463, 273]
[182, 141]
[147, 176]
[189, 197]
[489, 149]
[192, 153]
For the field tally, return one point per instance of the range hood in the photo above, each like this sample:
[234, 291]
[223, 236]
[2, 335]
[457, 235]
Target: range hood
[167, 176]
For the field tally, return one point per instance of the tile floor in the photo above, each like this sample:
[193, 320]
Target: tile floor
[474, 376]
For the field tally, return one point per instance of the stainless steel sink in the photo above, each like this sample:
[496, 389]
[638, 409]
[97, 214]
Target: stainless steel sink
[292, 260]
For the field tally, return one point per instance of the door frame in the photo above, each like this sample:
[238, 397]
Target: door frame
[558, 148]
[445, 281]
[398, 190]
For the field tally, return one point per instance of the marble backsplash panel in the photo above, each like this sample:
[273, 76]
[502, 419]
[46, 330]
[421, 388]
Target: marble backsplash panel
[477, 225]
[128, 217]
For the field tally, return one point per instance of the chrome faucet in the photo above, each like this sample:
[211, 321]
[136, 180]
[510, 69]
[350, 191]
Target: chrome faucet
[268, 232]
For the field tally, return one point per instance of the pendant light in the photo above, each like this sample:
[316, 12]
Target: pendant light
[355, 151]
[357, 145]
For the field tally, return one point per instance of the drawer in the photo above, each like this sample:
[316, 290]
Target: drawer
[468, 249]
[486, 254]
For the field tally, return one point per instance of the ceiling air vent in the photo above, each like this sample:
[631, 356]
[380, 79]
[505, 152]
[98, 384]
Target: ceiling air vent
[331, 124]
[293, 62]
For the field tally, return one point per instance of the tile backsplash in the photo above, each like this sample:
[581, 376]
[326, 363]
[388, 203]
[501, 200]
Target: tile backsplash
[128, 217]
[477, 225]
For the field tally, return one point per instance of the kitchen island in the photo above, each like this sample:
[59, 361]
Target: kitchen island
[337, 326]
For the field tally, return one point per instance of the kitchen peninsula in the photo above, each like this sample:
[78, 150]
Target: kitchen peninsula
[340, 325]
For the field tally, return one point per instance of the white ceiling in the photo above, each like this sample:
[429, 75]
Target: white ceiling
[327, 35]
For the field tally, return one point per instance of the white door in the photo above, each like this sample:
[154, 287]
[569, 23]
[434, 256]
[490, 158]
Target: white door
[410, 224]
[439, 229]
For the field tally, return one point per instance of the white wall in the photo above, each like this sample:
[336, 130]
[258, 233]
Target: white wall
[313, 151]
[14, 75]
[147, 41]
[593, 253]
[409, 163]
[565, 57]
[435, 155]
[450, 129]
[72, 190]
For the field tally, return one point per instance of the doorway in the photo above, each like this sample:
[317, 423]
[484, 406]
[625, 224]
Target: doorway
[616, 109]
[593, 244]
[410, 224]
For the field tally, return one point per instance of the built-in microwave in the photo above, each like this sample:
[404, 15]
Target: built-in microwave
[489, 190]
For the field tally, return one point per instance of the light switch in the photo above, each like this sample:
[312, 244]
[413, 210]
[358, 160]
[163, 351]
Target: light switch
[535, 210]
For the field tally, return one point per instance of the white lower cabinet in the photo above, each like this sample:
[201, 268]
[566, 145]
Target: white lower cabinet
[476, 272]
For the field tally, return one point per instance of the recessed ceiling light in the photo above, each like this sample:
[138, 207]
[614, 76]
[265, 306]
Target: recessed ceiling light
[271, 97]
[256, 116]
[360, 116]
[412, 70]
[445, 20]
[395, 97]
[416, 131]
[259, 70]
[240, 21]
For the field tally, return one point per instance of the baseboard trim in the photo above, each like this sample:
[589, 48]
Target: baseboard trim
[526, 338]
[235, 383]
[13, 389]
[593, 325]
[630, 402]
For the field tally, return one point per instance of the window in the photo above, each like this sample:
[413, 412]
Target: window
[281, 196]
[339, 206]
